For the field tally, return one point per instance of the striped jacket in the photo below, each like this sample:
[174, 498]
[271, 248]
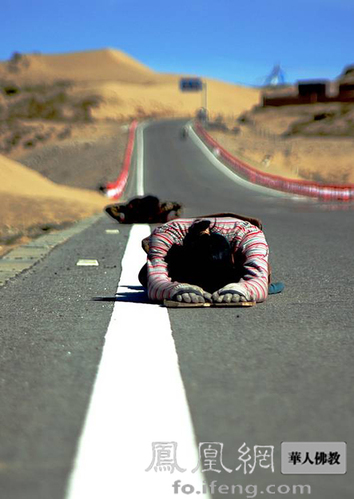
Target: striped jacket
[246, 240]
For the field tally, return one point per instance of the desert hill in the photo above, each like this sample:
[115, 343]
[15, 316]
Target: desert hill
[96, 65]
[125, 87]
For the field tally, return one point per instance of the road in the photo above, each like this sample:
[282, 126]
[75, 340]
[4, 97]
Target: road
[279, 372]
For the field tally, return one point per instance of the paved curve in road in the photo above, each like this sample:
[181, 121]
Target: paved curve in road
[281, 371]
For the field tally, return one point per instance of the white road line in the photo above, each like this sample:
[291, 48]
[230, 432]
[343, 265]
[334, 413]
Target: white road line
[87, 263]
[234, 177]
[140, 161]
[138, 398]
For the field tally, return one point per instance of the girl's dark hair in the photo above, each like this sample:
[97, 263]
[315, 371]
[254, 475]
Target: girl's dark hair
[204, 258]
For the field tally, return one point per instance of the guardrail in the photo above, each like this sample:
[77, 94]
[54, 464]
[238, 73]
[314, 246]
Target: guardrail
[301, 187]
[114, 189]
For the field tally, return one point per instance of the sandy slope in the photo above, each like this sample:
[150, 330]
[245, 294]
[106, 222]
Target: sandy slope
[96, 65]
[27, 200]
[128, 87]
[17, 179]
[288, 142]
[164, 98]
[323, 160]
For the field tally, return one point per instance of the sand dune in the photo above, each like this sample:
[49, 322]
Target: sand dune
[127, 87]
[163, 98]
[96, 65]
[27, 200]
[18, 179]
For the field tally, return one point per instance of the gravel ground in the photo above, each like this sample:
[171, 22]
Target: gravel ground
[82, 161]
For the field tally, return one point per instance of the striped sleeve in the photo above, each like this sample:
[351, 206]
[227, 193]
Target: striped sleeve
[160, 286]
[254, 248]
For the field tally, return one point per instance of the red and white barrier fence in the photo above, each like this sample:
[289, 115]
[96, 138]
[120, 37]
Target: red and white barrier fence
[114, 189]
[300, 187]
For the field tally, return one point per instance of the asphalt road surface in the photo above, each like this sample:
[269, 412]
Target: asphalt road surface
[281, 371]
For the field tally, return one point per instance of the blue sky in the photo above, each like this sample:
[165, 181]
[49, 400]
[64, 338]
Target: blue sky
[231, 40]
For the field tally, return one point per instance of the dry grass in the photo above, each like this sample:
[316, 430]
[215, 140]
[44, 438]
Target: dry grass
[302, 142]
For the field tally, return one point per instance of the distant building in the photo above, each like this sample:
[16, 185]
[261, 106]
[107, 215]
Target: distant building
[312, 91]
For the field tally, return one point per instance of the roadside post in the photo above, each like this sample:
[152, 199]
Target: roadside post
[196, 85]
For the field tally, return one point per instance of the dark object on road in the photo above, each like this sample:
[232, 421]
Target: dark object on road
[202, 115]
[147, 209]
[184, 132]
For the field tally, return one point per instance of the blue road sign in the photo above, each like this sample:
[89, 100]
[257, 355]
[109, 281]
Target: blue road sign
[190, 84]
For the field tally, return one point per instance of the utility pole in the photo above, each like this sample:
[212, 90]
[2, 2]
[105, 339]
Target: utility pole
[205, 96]
[197, 85]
